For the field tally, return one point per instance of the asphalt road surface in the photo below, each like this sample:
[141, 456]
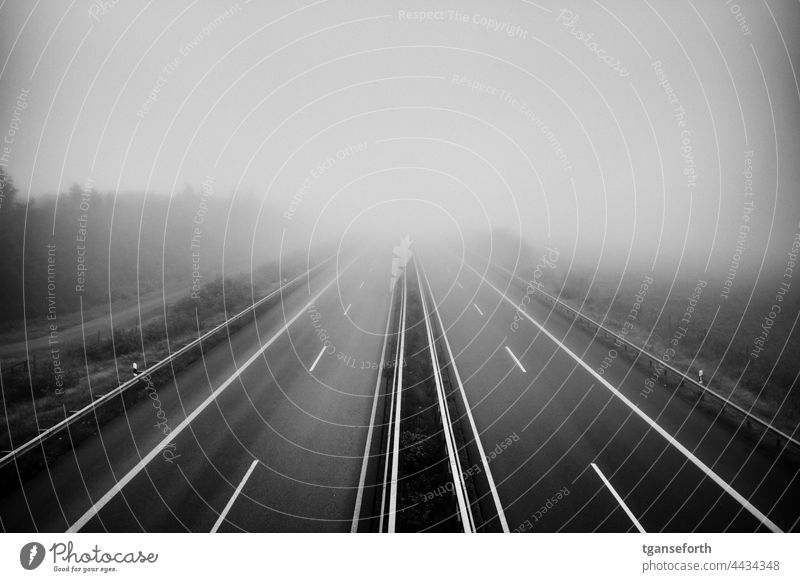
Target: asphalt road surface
[658, 463]
[268, 429]
[253, 398]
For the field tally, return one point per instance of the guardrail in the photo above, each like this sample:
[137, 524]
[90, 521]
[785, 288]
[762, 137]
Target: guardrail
[77, 415]
[641, 352]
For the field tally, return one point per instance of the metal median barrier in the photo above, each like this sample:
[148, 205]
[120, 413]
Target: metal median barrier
[77, 415]
[641, 352]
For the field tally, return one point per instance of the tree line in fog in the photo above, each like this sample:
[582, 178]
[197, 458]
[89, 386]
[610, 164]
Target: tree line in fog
[94, 247]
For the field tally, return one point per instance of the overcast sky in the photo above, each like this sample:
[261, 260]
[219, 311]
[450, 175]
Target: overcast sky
[603, 128]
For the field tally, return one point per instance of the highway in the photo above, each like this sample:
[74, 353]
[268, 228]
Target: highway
[281, 428]
[269, 394]
[629, 463]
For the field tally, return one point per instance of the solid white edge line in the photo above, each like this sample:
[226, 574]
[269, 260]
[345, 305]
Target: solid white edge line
[725, 401]
[386, 456]
[478, 308]
[316, 361]
[492, 487]
[392, 394]
[619, 499]
[396, 445]
[365, 462]
[133, 472]
[516, 361]
[233, 497]
[45, 433]
[655, 426]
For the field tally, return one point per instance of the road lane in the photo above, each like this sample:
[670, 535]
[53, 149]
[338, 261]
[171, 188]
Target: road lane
[305, 429]
[480, 474]
[171, 497]
[61, 493]
[224, 514]
[619, 499]
[569, 417]
[296, 422]
[757, 470]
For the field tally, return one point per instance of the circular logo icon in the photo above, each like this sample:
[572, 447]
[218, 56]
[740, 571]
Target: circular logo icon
[31, 555]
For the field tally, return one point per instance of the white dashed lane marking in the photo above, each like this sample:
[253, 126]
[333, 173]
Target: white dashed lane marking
[314, 365]
[619, 499]
[516, 361]
[233, 497]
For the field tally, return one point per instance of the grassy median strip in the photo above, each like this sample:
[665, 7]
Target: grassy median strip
[424, 465]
